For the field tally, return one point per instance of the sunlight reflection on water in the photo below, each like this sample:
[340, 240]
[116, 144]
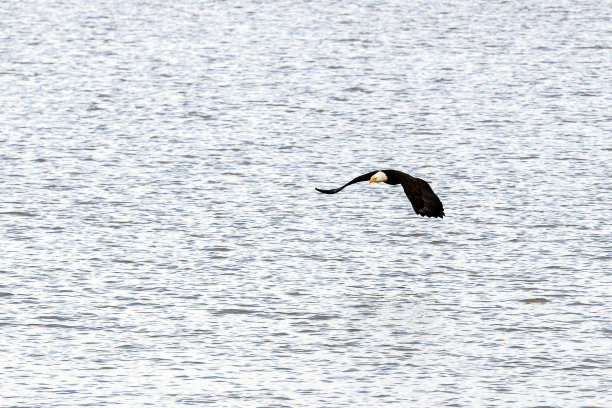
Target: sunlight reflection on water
[164, 243]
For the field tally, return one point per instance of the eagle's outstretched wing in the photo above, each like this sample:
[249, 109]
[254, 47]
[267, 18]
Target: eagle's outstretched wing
[363, 177]
[424, 201]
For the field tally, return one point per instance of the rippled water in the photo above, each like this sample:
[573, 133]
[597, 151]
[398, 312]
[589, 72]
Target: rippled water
[163, 243]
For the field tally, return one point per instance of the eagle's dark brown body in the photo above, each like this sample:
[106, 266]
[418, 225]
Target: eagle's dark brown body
[424, 201]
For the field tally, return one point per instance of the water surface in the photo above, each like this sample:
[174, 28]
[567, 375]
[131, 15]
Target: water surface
[163, 243]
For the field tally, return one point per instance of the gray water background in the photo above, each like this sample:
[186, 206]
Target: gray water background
[162, 242]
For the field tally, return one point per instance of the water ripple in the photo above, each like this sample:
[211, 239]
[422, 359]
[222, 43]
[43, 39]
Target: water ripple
[163, 243]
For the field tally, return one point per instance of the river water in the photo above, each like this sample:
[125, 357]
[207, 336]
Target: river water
[163, 243]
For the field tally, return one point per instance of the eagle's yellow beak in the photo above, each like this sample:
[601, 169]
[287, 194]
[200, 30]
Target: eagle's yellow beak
[371, 180]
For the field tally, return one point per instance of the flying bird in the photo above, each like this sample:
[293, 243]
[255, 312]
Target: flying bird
[424, 201]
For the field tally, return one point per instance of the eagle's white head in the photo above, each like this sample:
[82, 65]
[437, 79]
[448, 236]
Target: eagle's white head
[378, 177]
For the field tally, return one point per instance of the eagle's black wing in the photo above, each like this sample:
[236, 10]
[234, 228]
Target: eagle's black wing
[363, 177]
[424, 201]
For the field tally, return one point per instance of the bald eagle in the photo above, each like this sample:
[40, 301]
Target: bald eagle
[424, 201]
